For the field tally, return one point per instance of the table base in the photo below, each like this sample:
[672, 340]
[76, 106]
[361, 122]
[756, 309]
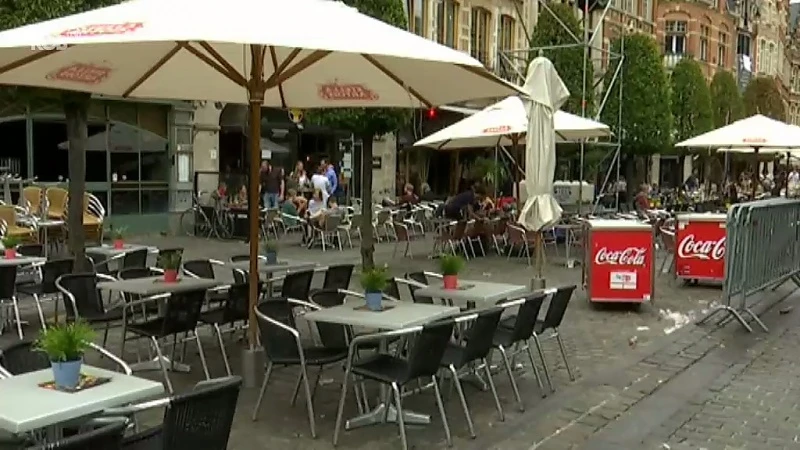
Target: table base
[376, 416]
[154, 364]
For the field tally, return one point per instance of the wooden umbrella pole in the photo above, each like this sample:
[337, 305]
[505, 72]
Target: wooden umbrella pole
[256, 90]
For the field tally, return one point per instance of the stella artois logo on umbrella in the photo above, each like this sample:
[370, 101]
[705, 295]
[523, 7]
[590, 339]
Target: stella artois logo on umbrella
[500, 129]
[351, 91]
[756, 140]
[102, 29]
[81, 73]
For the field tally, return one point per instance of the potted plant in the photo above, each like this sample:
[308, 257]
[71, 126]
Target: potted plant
[170, 262]
[450, 266]
[374, 282]
[10, 245]
[271, 251]
[118, 237]
[65, 345]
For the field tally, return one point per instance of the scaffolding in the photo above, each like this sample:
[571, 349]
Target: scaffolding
[512, 65]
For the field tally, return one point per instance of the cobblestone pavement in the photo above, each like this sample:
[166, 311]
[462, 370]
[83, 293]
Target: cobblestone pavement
[621, 357]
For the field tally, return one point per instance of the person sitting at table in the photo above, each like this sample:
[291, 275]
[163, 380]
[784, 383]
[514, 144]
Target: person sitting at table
[296, 202]
[241, 196]
[463, 205]
[408, 198]
[642, 200]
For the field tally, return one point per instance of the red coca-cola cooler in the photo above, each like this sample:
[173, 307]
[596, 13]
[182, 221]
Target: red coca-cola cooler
[619, 261]
[700, 247]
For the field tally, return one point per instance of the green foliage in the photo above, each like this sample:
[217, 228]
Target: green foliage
[451, 264]
[763, 97]
[691, 100]
[10, 242]
[170, 260]
[489, 170]
[374, 279]
[65, 342]
[117, 233]
[726, 101]
[646, 115]
[365, 122]
[568, 61]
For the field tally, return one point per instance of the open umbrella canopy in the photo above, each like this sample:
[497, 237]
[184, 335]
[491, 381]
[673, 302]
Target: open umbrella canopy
[756, 131]
[317, 54]
[496, 124]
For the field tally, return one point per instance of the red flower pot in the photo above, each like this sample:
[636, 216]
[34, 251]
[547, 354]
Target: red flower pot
[10, 253]
[450, 281]
[170, 276]
[119, 244]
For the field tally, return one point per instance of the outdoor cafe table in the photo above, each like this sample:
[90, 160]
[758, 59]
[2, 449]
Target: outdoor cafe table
[24, 406]
[279, 266]
[402, 315]
[149, 286]
[21, 261]
[480, 293]
[108, 251]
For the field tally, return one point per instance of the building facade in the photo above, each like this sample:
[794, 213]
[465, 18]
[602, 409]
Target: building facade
[792, 65]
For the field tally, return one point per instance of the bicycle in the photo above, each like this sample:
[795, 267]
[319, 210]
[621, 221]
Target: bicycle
[195, 220]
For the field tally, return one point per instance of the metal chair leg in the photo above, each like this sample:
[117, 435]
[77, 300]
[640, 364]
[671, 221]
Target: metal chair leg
[535, 370]
[39, 310]
[488, 372]
[262, 391]
[514, 387]
[544, 362]
[202, 354]
[564, 355]
[309, 402]
[460, 391]
[161, 364]
[222, 349]
[15, 305]
[401, 424]
[340, 409]
[296, 391]
[440, 404]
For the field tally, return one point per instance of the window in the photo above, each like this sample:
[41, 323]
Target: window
[506, 35]
[418, 17]
[447, 22]
[627, 6]
[773, 56]
[647, 10]
[675, 39]
[743, 44]
[704, 33]
[722, 49]
[479, 35]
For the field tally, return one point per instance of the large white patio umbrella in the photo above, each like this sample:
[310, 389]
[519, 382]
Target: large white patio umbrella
[505, 121]
[280, 53]
[547, 93]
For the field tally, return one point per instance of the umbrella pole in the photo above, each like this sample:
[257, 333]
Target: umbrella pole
[755, 178]
[253, 356]
[517, 172]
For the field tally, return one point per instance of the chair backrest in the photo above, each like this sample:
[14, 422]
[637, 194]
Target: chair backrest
[297, 284]
[419, 277]
[459, 231]
[107, 437]
[401, 231]
[8, 282]
[278, 342]
[526, 317]
[200, 267]
[136, 272]
[202, 418]
[33, 195]
[392, 289]
[182, 311]
[80, 295]
[240, 276]
[52, 270]
[135, 258]
[167, 253]
[338, 276]
[516, 235]
[428, 347]
[558, 307]
[330, 334]
[480, 333]
[20, 357]
[237, 305]
[332, 222]
[57, 201]
[237, 258]
[8, 214]
[34, 250]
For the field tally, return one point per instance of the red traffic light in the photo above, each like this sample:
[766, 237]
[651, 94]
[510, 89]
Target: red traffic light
[432, 113]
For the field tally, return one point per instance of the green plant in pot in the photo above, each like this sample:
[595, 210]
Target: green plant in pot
[65, 346]
[374, 282]
[271, 251]
[118, 237]
[170, 262]
[450, 266]
[10, 244]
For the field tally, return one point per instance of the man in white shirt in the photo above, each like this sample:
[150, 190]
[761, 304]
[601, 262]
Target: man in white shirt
[320, 181]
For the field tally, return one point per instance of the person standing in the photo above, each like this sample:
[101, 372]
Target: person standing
[272, 185]
[321, 182]
[330, 174]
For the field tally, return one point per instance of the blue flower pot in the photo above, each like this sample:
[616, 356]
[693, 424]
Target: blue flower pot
[272, 258]
[66, 374]
[374, 300]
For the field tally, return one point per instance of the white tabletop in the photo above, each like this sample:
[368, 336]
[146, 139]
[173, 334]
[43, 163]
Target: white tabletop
[21, 260]
[482, 292]
[24, 406]
[157, 285]
[403, 315]
[281, 266]
[109, 250]
[49, 223]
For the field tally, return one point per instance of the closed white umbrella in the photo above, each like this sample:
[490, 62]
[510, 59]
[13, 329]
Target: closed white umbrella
[547, 93]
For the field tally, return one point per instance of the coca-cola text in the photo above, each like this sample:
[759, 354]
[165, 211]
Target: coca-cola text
[691, 247]
[631, 256]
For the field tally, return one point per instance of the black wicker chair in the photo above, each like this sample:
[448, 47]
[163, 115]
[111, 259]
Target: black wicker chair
[108, 437]
[134, 259]
[51, 271]
[337, 277]
[234, 309]
[83, 300]
[8, 293]
[295, 285]
[204, 268]
[31, 250]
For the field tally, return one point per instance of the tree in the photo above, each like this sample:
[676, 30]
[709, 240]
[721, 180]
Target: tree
[15, 13]
[367, 123]
[690, 99]
[762, 96]
[646, 117]
[726, 102]
[569, 61]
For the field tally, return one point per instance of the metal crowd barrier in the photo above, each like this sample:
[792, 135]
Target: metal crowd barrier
[763, 252]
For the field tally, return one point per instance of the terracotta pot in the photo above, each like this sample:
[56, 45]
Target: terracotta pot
[10, 253]
[450, 281]
[171, 276]
[119, 244]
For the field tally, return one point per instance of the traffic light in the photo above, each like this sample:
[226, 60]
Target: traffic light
[592, 4]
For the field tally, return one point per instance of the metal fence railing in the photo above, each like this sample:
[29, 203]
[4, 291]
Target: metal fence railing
[763, 252]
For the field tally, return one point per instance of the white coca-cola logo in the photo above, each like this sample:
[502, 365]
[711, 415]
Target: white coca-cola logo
[631, 256]
[690, 247]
